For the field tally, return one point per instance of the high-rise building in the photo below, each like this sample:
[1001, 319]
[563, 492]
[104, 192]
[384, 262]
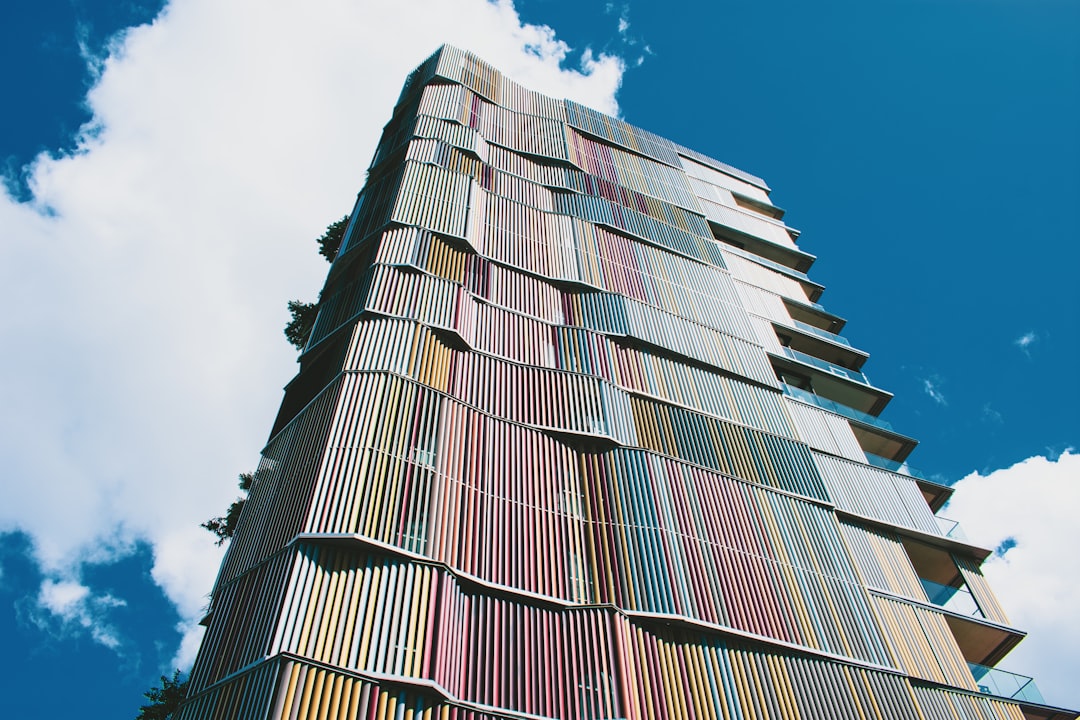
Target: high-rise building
[572, 438]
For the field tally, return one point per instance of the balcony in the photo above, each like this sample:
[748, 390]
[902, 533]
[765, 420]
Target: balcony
[935, 492]
[853, 375]
[953, 599]
[767, 239]
[833, 383]
[815, 315]
[980, 639]
[873, 434]
[901, 468]
[831, 337]
[840, 409]
[822, 345]
[1003, 684]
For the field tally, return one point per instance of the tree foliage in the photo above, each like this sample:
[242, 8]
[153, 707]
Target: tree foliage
[298, 331]
[164, 700]
[225, 526]
[167, 698]
[330, 242]
[299, 328]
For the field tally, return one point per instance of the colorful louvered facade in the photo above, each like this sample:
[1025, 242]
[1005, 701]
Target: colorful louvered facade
[573, 439]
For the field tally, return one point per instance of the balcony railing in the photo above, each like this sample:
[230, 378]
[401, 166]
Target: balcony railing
[956, 599]
[950, 528]
[1004, 684]
[820, 333]
[897, 467]
[833, 406]
[827, 366]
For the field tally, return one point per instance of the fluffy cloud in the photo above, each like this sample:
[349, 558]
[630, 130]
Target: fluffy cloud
[1025, 341]
[933, 389]
[146, 279]
[71, 606]
[1028, 512]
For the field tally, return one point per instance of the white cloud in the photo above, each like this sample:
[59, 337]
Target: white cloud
[1025, 341]
[1032, 507]
[932, 389]
[146, 280]
[624, 25]
[73, 608]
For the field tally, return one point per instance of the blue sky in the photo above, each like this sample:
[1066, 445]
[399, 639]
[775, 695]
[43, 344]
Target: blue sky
[927, 151]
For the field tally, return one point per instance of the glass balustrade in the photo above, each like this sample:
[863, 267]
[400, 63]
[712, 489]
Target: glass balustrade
[951, 528]
[955, 599]
[1004, 684]
[827, 366]
[820, 333]
[898, 467]
[833, 406]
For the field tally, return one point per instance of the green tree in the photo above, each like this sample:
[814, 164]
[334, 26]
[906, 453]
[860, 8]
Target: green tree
[299, 328]
[164, 700]
[225, 526]
[330, 242]
[298, 331]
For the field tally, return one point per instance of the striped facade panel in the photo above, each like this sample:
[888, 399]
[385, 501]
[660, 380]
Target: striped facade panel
[652, 207]
[450, 138]
[980, 590]
[752, 273]
[339, 307]
[762, 303]
[602, 211]
[700, 171]
[766, 335]
[638, 273]
[630, 170]
[875, 493]
[730, 449]
[718, 686]
[505, 225]
[537, 462]
[719, 683]
[281, 491]
[749, 223]
[626, 527]
[373, 209]
[595, 257]
[499, 126]
[940, 703]
[922, 644]
[246, 694]
[425, 298]
[882, 561]
[824, 431]
[416, 351]
[246, 609]
[433, 198]
[483, 79]
[379, 616]
[620, 133]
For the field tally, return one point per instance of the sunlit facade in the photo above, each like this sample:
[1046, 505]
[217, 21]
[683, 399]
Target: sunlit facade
[572, 438]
